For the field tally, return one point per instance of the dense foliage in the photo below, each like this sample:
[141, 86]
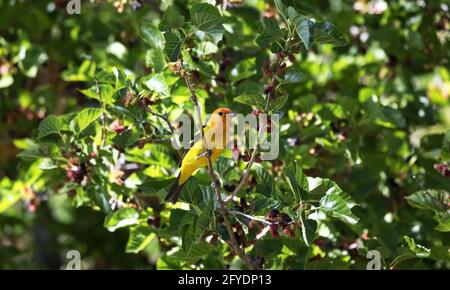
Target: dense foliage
[88, 105]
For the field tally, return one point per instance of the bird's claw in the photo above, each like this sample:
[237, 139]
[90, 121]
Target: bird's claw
[206, 154]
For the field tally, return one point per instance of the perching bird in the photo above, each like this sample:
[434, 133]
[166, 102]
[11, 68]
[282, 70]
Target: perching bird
[196, 157]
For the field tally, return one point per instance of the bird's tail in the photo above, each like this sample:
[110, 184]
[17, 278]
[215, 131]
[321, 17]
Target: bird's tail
[174, 191]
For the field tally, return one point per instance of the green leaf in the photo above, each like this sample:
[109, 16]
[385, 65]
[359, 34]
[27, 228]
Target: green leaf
[152, 36]
[443, 223]
[251, 100]
[291, 76]
[207, 19]
[50, 125]
[265, 184]
[325, 32]
[418, 250]
[31, 59]
[122, 218]
[6, 81]
[155, 58]
[445, 150]
[297, 180]
[85, 118]
[154, 186]
[158, 84]
[270, 34]
[278, 103]
[302, 27]
[335, 203]
[435, 200]
[204, 219]
[281, 8]
[106, 92]
[171, 19]
[174, 42]
[140, 237]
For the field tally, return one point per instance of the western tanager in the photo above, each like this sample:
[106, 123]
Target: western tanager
[196, 157]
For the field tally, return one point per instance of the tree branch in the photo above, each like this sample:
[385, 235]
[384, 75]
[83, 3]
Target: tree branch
[216, 184]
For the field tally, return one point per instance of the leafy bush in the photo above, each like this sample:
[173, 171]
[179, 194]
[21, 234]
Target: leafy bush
[89, 104]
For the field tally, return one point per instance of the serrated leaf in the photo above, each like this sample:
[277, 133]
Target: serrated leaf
[278, 103]
[435, 200]
[121, 218]
[443, 223]
[335, 205]
[171, 19]
[207, 19]
[158, 84]
[291, 76]
[174, 42]
[140, 237]
[297, 180]
[152, 36]
[418, 250]
[251, 100]
[265, 181]
[302, 26]
[270, 34]
[154, 186]
[204, 219]
[50, 125]
[85, 118]
[325, 32]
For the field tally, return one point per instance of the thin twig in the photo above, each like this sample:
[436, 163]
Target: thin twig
[250, 217]
[255, 151]
[232, 242]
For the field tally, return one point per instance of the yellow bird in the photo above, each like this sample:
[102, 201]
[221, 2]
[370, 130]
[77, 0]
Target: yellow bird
[196, 158]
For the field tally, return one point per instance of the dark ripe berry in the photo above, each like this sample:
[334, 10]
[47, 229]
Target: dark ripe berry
[258, 159]
[288, 232]
[71, 193]
[141, 143]
[243, 202]
[274, 230]
[445, 172]
[282, 66]
[291, 57]
[117, 127]
[229, 187]
[213, 240]
[268, 89]
[93, 155]
[156, 222]
[246, 158]
[281, 54]
[253, 224]
[285, 218]
[437, 166]
[274, 213]
[256, 112]
[282, 224]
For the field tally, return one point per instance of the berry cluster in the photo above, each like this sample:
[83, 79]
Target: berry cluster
[443, 169]
[281, 220]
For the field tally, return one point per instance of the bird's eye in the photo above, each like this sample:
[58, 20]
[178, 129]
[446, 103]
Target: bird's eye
[220, 113]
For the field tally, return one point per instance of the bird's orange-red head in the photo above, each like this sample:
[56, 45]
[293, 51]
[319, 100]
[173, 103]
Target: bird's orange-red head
[222, 112]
